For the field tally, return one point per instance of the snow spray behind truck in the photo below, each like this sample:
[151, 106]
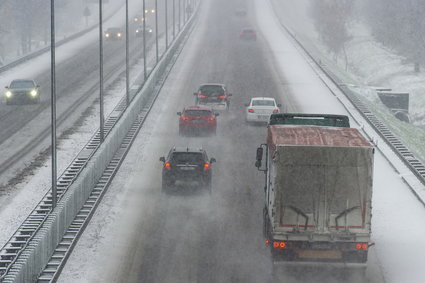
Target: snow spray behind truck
[318, 191]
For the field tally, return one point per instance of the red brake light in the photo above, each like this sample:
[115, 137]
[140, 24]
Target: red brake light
[223, 96]
[184, 118]
[275, 111]
[250, 110]
[167, 166]
[365, 246]
[206, 166]
[201, 95]
[211, 118]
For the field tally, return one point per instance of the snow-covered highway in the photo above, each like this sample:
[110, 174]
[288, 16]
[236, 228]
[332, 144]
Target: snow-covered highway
[139, 234]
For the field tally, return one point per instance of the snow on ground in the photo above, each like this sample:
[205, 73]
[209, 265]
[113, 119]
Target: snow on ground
[398, 235]
[17, 202]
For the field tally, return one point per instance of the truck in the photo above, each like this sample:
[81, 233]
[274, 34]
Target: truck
[318, 189]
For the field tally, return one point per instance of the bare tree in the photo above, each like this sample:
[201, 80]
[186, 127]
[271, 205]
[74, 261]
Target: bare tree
[331, 18]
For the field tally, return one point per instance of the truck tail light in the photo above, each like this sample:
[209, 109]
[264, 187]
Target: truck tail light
[250, 110]
[279, 245]
[185, 118]
[362, 246]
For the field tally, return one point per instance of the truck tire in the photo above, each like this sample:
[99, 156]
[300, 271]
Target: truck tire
[265, 223]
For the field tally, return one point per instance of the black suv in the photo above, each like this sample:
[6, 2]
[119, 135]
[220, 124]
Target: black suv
[187, 165]
[214, 95]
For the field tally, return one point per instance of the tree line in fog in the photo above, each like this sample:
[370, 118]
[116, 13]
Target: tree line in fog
[398, 24]
[25, 24]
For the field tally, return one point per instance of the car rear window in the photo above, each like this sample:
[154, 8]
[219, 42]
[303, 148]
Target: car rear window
[187, 158]
[262, 103]
[212, 90]
[22, 84]
[197, 113]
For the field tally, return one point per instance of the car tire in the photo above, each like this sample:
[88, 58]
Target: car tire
[164, 187]
[208, 187]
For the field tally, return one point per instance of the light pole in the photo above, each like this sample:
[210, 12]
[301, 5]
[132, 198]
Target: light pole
[127, 68]
[179, 13]
[53, 101]
[174, 19]
[102, 119]
[156, 30]
[145, 75]
[166, 24]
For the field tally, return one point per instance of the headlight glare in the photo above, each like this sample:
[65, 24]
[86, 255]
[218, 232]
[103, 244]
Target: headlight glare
[8, 94]
[34, 92]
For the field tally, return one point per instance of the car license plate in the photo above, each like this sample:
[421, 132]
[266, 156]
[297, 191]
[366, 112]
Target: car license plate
[263, 117]
[187, 168]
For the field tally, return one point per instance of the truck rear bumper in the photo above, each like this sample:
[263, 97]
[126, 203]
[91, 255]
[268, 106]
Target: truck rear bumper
[299, 251]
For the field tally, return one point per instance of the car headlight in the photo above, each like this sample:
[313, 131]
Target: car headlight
[150, 30]
[107, 35]
[8, 94]
[119, 34]
[33, 92]
[153, 11]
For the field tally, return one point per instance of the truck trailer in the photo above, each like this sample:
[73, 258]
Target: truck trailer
[318, 189]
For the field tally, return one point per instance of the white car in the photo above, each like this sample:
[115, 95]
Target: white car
[259, 109]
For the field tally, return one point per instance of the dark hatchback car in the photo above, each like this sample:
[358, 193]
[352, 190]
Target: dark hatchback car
[186, 167]
[248, 34]
[213, 95]
[197, 120]
[22, 91]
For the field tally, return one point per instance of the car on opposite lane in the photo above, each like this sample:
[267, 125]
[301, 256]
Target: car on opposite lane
[214, 95]
[259, 109]
[114, 33]
[22, 91]
[186, 167]
[148, 29]
[197, 119]
[248, 34]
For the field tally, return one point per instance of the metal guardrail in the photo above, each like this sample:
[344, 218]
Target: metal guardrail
[26, 231]
[408, 158]
[34, 222]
